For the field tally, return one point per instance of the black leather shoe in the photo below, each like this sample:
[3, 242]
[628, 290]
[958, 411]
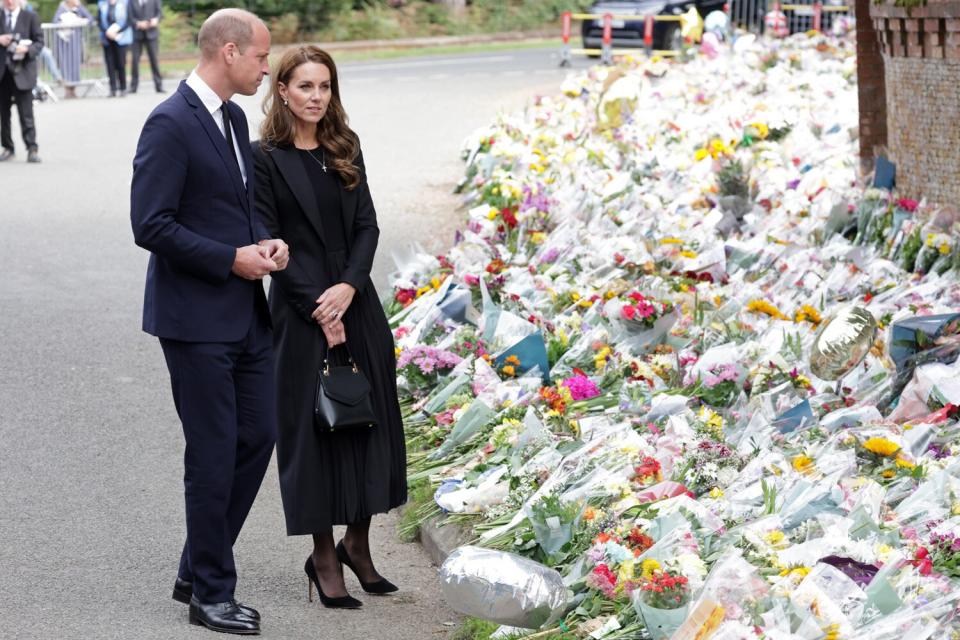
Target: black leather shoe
[380, 587]
[6, 155]
[223, 617]
[33, 156]
[183, 592]
[343, 602]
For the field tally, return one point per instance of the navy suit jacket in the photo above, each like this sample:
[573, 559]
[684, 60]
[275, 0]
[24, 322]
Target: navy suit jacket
[189, 207]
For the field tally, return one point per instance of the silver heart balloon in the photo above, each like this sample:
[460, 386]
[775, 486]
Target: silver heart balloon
[842, 343]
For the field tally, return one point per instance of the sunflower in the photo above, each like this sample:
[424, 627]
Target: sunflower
[881, 446]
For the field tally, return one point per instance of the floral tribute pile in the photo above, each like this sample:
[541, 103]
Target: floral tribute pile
[609, 371]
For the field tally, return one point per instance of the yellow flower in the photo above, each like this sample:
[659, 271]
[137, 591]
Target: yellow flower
[809, 314]
[397, 350]
[671, 241]
[881, 446]
[435, 282]
[762, 130]
[688, 254]
[716, 492]
[802, 463]
[512, 359]
[586, 304]
[537, 237]
[799, 572]
[509, 370]
[888, 473]
[903, 463]
[423, 290]
[626, 571]
[700, 154]
[944, 248]
[647, 567]
[762, 306]
[774, 537]
[574, 296]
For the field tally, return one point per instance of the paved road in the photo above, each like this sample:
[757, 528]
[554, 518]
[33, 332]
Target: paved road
[91, 512]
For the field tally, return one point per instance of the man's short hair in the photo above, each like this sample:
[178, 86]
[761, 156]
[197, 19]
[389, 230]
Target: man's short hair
[223, 26]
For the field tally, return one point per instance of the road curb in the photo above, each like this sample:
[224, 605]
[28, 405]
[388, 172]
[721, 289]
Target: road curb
[401, 43]
[439, 540]
[436, 41]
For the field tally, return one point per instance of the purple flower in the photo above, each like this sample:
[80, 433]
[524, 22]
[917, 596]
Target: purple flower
[550, 255]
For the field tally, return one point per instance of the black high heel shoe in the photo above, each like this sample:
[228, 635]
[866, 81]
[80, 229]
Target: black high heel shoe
[380, 587]
[343, 602]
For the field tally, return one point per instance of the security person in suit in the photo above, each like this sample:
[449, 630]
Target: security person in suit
[21, 41]
[146, 15]
[191, 206]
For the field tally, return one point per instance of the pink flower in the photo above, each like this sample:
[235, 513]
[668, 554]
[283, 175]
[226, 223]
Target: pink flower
[581, 387]
[907, 204]
[628, 311]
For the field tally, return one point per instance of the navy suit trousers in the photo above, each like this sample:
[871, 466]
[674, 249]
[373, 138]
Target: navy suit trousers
[224, 394]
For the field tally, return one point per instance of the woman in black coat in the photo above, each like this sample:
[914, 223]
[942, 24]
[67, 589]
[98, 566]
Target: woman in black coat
[311, 190]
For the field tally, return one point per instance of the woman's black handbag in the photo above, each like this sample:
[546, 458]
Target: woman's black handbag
[343, 400]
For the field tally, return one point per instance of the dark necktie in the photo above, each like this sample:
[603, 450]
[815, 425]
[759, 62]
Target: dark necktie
[9, 22]
[227, 133]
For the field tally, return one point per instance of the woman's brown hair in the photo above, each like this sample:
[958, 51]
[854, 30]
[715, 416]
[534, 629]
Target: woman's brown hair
[333, 133]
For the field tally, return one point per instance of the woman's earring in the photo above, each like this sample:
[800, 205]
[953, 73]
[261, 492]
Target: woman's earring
[284, 103]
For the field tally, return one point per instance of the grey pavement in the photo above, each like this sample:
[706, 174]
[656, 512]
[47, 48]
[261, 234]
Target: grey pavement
[91, 507]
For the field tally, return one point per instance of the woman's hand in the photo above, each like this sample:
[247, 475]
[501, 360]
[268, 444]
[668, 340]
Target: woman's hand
[335, 333]
[333, 303]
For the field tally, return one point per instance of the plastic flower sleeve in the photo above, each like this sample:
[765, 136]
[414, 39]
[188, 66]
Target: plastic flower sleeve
[474, 419]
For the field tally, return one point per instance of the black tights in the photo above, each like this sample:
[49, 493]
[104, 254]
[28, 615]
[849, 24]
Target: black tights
[357, 543]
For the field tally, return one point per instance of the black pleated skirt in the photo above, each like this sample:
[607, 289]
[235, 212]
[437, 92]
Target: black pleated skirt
[332, 479]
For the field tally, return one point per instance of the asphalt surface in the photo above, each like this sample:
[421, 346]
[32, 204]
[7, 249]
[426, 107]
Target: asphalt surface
[91, 507]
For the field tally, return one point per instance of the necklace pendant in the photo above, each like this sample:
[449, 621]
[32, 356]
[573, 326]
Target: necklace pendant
[324, 167]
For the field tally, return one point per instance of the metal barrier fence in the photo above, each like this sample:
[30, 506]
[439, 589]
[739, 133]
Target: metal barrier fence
[752, 15]
[799, 16]
[73, 59]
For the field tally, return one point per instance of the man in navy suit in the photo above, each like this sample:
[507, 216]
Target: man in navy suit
[192, 208]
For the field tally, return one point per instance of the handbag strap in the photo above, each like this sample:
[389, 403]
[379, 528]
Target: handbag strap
[326, 354]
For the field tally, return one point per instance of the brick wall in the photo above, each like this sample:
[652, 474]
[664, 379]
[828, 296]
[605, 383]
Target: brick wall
[921, 68]
[923, 110]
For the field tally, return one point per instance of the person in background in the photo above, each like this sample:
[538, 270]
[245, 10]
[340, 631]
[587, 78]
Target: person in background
[145, 15]
[69, 42]
[116, 35]
[21, 41]
[46, 55]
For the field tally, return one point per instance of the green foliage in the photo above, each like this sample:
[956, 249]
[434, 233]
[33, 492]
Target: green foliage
[734, 179]
[335, 20]
[177, 33]
[474, 629]
[420, 501]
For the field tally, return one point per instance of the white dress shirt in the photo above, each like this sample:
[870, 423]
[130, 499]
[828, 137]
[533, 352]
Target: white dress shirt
[212, 102]
[12, 17]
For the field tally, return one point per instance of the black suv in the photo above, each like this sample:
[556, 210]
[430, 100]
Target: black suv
[628, 34]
